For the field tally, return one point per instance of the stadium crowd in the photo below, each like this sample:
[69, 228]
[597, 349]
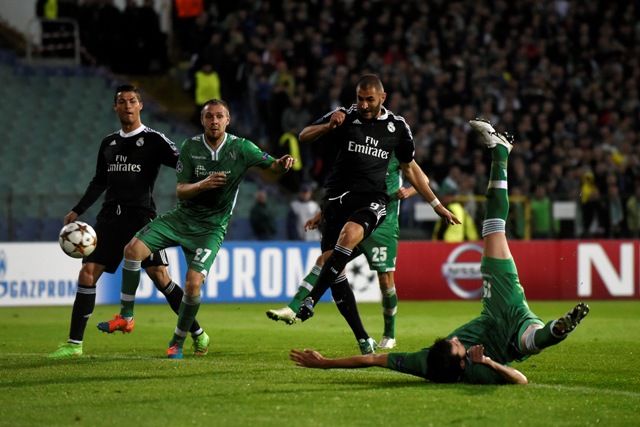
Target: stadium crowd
[561, 75]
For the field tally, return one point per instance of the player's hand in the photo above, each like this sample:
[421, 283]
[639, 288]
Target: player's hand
[314, 222]
[215, 180]
[285, 162]
[476, 354]
[404, 193]
[447, 215]
[70, 217]
[337, 118]
[307, 358]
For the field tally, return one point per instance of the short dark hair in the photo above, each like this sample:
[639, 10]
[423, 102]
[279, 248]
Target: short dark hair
[442, 366]
[369, 81]
[126, 88]
[215, 101]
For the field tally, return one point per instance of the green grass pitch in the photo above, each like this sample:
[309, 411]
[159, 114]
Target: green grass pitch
[247, 379]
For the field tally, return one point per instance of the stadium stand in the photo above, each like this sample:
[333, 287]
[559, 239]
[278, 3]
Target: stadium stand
[52, 126]
[563, 76]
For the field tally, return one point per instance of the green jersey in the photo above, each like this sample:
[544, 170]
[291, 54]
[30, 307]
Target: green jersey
[199, 224]
[198, 160]
[504, 318]
[394, 181]
[409, 363]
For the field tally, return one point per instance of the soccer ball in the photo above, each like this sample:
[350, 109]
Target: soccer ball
[78, 239]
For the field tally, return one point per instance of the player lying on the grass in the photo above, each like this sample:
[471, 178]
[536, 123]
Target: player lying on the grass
[480, 351]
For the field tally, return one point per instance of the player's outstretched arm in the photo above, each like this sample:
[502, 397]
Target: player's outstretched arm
[511, 375]
[420, 182]
[313, 359]
[282, 165]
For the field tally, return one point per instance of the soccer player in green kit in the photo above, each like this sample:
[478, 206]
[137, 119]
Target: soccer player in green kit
[210, 169]
[380, 249]
[480, 351]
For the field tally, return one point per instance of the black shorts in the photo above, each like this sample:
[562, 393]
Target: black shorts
[116, 229]
[336, 211]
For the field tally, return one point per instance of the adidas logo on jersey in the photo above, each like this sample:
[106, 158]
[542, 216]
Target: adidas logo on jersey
[357, 122]
[113, 142]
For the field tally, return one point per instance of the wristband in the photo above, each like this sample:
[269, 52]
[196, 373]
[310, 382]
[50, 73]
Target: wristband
[435, 202]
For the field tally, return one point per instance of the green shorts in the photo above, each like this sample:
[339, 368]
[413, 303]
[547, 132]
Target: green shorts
[200, 242]
[381, 248]
[503, 298]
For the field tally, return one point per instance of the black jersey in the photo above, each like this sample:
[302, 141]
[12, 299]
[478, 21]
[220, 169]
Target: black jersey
[127, 168]
[363, 150]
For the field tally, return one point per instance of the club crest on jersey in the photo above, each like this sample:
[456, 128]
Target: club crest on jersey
[391, 127]
[140, 142]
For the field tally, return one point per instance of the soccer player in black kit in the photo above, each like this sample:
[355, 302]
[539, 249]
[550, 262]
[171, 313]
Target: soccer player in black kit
[127, 168]
[364, 136]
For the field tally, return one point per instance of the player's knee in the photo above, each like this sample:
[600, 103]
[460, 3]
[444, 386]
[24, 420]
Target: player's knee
[135, 250]
[354, 231]
[385, 280]
[192, 288]
[193, 283]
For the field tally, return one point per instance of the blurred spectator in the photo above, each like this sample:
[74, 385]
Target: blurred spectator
[633, 213]
[154, 47]
[207, 86]
[109, 41]
[563, 76]
[593, 208]
[130, 60]
[615, 223]
[294, 118]
[465, 232]
[47, 11]
[516, 223]
[57, 35]
[288, 144]
[541, 214]
[301, 210]
[87, 20]
[262, 218]
[185, 14]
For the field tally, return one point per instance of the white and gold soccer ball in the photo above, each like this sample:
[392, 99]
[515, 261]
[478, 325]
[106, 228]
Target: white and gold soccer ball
[78, 239]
